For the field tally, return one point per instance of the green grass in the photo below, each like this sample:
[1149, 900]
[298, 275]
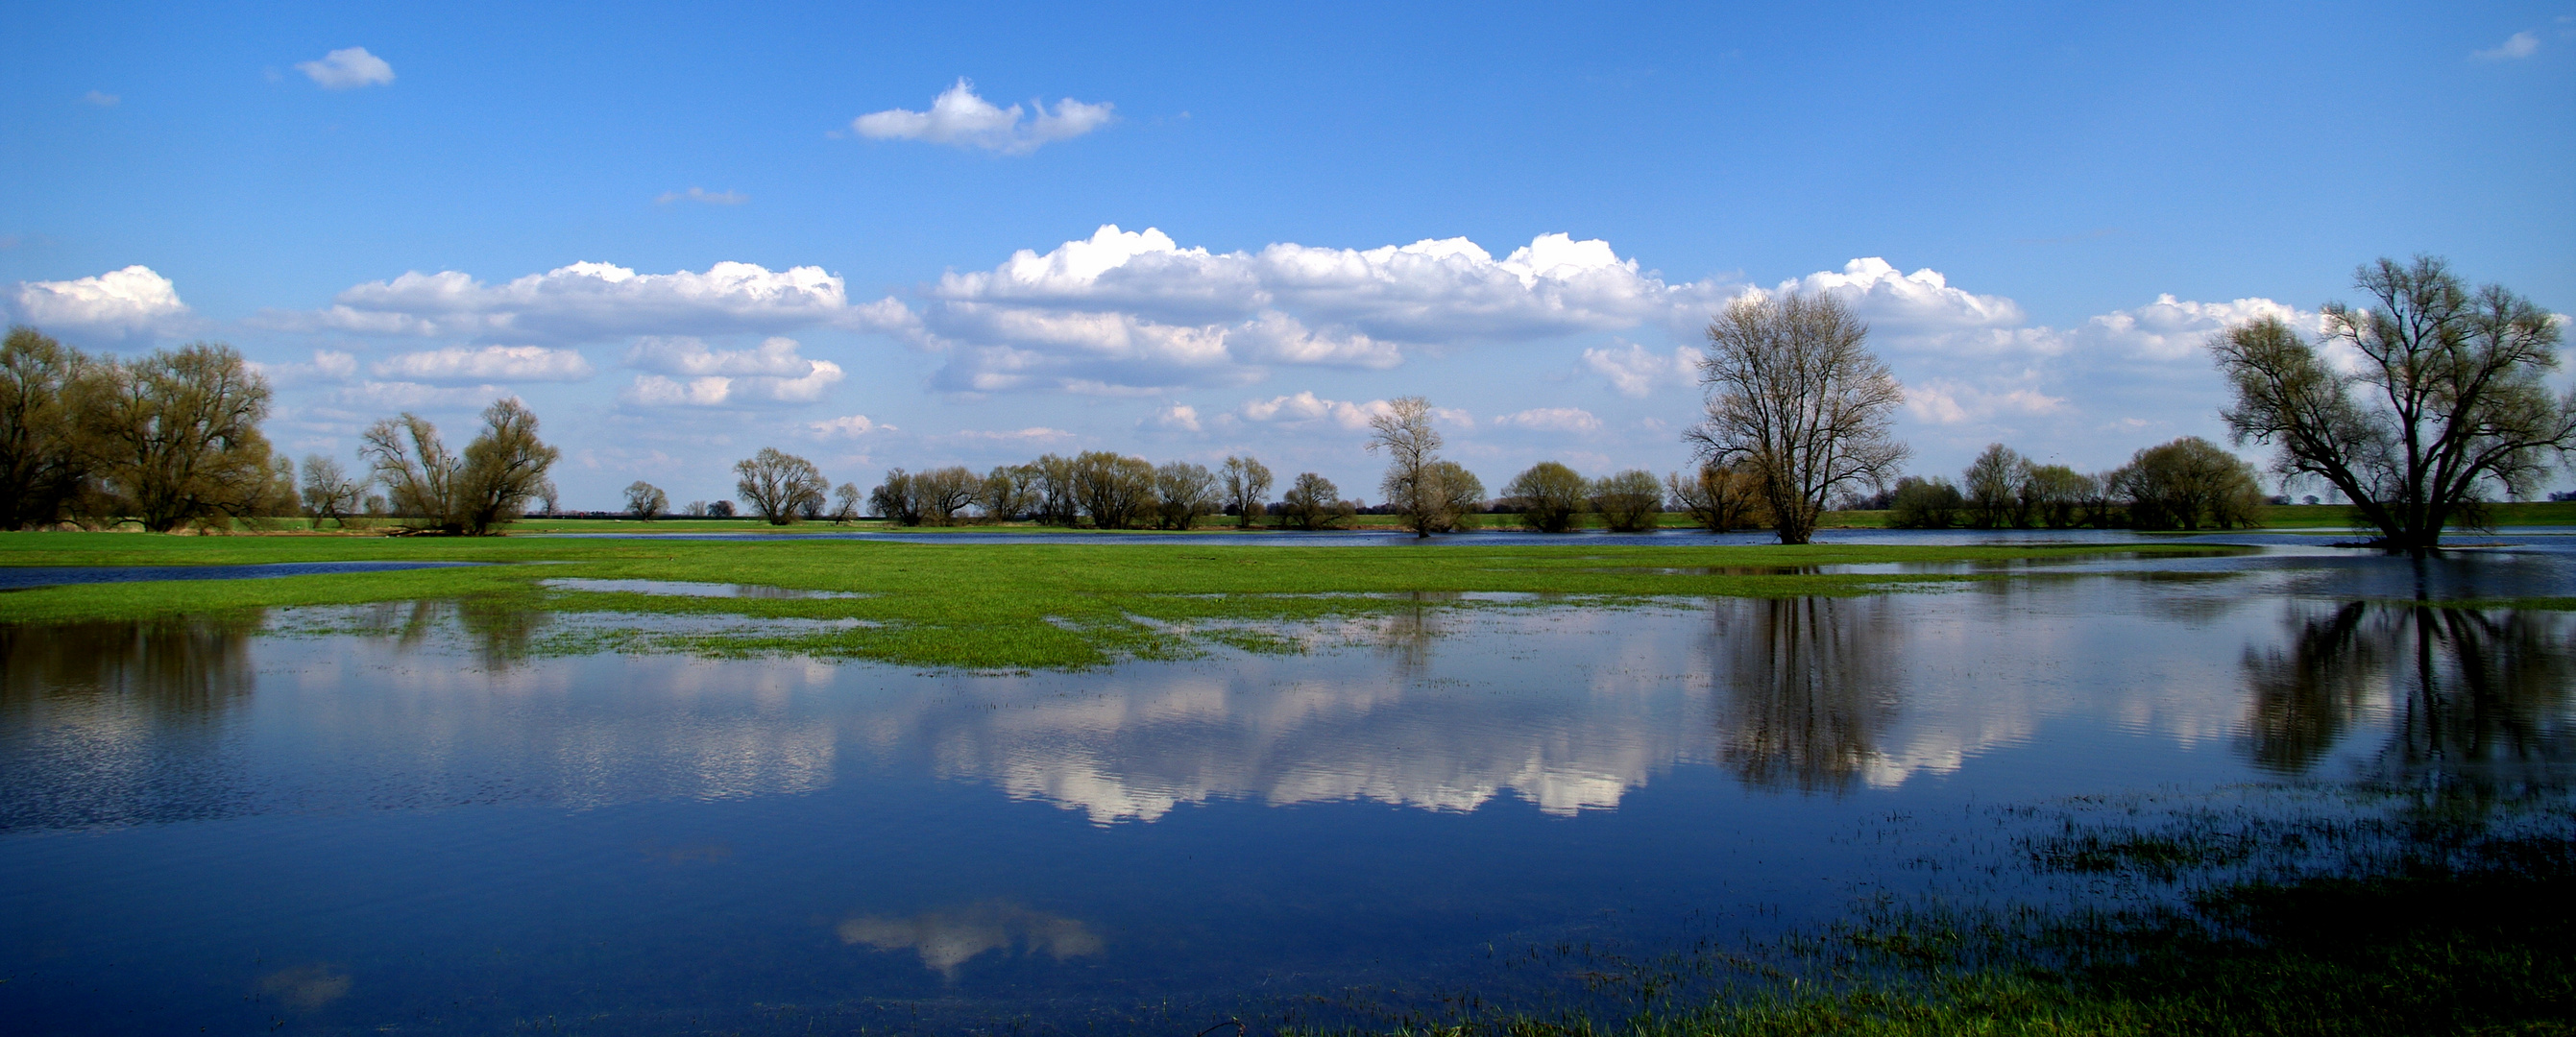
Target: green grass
[960, 602]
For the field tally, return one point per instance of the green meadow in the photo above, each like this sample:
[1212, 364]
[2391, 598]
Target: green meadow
[955, 601]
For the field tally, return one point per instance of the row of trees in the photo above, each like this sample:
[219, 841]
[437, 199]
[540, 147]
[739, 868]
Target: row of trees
[173, 439]
[2189, 483]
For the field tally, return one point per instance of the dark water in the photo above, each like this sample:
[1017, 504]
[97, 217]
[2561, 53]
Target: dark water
[21, 577]
[419, 828]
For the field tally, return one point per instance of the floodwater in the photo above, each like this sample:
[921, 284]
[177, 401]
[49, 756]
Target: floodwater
[25, 577]
[394, 819]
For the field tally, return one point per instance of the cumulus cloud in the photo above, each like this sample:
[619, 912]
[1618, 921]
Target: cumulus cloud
[101, 98]
[347, 69]
[460, 364]
[700, 194]
[1179, 416]
[961, 119]
[1031, 434]
[1908, 304]
[685, 372]
[132, 302]
[590, 301]
[1637, 371]
[1552, 419]
[2518, 45]
[1152, 314]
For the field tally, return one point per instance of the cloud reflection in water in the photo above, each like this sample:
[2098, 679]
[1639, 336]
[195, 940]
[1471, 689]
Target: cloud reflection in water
[948, 939]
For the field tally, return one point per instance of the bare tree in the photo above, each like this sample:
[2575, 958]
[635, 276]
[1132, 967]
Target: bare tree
[646, 501]
[473, 493]
[2448, 403]
[1629, 502]
[944, 494]
[780, 486]
[846, 500]
[2054, 494]
[1059, 499]
[1184, 493]
[1009, 491]
[1412, 482]
[1797, 399]
[1994, 487]
[895, 500]
[179, 438]
[328, 492]
[1313, 503]
[1719, 499]
[1114, 490]
[1548, 495]
[1245, 483]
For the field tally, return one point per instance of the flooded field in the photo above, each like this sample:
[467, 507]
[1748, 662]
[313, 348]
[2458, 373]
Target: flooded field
[395, 818]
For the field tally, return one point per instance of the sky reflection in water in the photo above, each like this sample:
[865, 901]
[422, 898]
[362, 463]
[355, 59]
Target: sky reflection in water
[419, 825]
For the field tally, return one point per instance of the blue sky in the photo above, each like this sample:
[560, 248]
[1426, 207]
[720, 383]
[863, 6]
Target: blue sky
[675, 232]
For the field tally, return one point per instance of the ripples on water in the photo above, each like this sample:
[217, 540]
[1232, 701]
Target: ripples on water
[407, 821]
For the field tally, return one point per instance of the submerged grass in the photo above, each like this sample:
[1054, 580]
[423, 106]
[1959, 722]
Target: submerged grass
[2421, 913]
[969, 604]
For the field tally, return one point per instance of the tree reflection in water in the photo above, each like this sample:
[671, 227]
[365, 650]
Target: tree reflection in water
[501, 632]
[2469, 692]
[129, 714]
[1808, 689]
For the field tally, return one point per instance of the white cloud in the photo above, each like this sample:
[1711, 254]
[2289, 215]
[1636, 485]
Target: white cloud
[1031, 434]
[2171, 329]
[120, 303]
[1637, 371]
[850, 426]
[700, 194]
[1942, 401]
[101, 98]
[1908, 304]
[958, 117]
[589, 301]
[2518, 45]
[1177, 416]
[1305, 408]
[460, 364]
[347, 69]
[686, 373]
[327, 365]
[381, 397]
[1552, 419]
[1222, 318]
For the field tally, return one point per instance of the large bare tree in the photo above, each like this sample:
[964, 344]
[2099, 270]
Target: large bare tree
[179, 438]
[1796, 398]
[2446, 405]
[779, 485]
[474, 493]
[1413, 474]
[1245, 484]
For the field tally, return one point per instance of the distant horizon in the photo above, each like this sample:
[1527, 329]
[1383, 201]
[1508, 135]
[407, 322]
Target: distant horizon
[915, 239]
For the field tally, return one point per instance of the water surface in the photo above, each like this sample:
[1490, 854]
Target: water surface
[412, 824]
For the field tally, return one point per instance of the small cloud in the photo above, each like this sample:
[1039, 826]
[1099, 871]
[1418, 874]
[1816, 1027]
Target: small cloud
[960, 118]
[328, 365]
[1177, 416]
[772, 373]
[347, 69]
[101, 98]
[700, 194]
[2518, 45]
[1031, 434]
[848, 427]
[1306, 407]
[1552, 419]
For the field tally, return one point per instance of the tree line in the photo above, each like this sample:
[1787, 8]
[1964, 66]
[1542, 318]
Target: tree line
[172, 441]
